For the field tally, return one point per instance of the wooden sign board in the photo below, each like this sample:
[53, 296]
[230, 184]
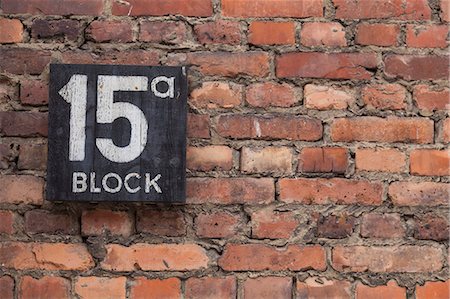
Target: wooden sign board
[117, 133]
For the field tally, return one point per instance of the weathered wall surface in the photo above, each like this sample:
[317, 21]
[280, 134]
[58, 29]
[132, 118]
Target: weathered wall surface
[317, 157]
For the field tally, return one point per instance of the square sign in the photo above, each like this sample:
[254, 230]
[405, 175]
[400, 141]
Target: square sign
[117, 133]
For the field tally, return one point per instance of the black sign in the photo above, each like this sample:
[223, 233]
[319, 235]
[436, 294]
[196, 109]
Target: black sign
[117, 133]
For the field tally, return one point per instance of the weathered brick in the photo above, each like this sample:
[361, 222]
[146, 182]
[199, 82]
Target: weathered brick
[91, 287]
[419, 193]
[431, 98]
[317, 34]
[258, 257]
[390, 290]
[59, 29]
[7, 222]
[324, 97]
[212, 95]
[231, 64]
[98, 222]
[431, 227]
[426, 36]
[384, 96]
[380, 259]
[110, 31]
[32, 156]
[198, 126]
[130, 57]
[211, 287]
[376, 129]
[6, 287]
[163, 32]
[281, 33]
[269, 127]
[45, 256]
[45, 287]
[18, 189]
[142, 287]
[323, 159]
[380, 159]
[22, 61]
[330, 191]
[53, 7]
[193, 8]
[416, 67]
[433, 290]
[218, 32]
[207, 158]
[356, 66]
[270, 94]
[268, 287]
[230, 190]
[50, 222]
[268, 159]
[8, 89]
[161, 222]
[281, 8]
[217, 225]
[155, 257]
[272, 224]
[335, 226]
[445, 10]
[11, 31]
[34, 93]
[320, 287]
[445, 131]
[430, 162]
[23, 123]
[384, 35]
[382, 226]
[8, 155]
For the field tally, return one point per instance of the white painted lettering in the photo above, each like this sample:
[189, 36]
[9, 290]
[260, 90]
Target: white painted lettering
[152, 183]
[127, 186]
[170, 89]
[79, 182]
[94, 189]
[105, 182]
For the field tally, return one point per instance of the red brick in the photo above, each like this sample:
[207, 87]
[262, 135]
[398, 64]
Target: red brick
[155, 257]
[22, 61]
[330, 191]
[8, 155]
[230, 190]
[227, 64]
[431, 98]
[53, 7]
[445, 131]
[198, 126]
[430, 162]
[281, 33]
[207, 158]
[7, 221]
[415, 67]
[281, 8]
[268, 159]
[384, 35]
[23, 124]
[164, 223]
[382, 9]
[45, 256]
[8, 89]
[98, 222]
[268, 287]
[218, 32]
[419, 193]
[6, 287]
[323, 159]
[376, 129]
[445, 10]
[110, 31]
[18, 189]
[142, 287]
[59, 30]
[317, 34]
[258, 257]
[380, 259]
[390, 290]
[211, 287]
[32, 156]
[129, 57]
[92, 287]
[269, 127]
[193, 8]
[270, 94]
[426, 36]
[382, 226]
[163, 32]
[212, 95]
[34, 93]
[273, 224]
[45, 287]
[433, 290]
[217, 225]
[11, 31]
[335, 226]
[431, 227]
[384, 96]
[322, 97]
[320, 287]
[356, 66]
[50, 222]
[380, 159]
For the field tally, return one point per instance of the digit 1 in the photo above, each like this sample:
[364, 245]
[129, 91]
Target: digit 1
[75, 93]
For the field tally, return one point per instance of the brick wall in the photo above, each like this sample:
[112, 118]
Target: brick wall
[317, 158]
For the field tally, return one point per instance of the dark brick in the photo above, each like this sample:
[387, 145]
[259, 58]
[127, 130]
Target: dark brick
[431, 227]
[41, 221]
[24, 124]
[198, 126]
[161, 223]
[335, 226]
[34, 93]
[61, 29]
[23, 61]
[33, 156]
